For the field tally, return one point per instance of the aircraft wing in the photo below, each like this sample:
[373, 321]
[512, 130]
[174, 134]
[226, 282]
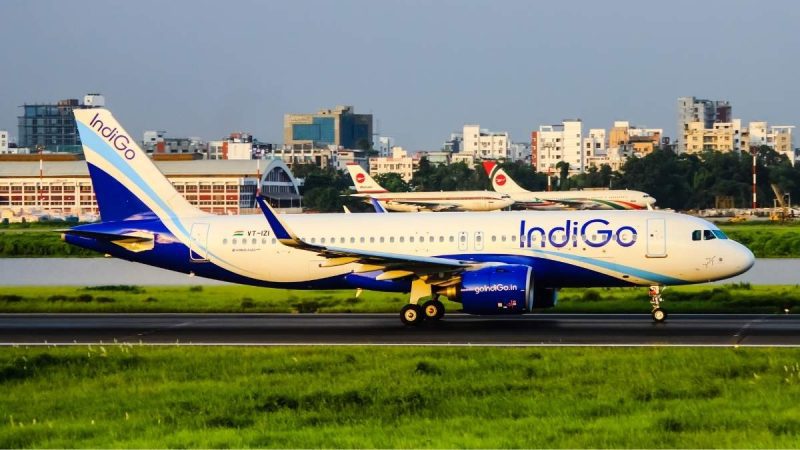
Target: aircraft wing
[394, 265]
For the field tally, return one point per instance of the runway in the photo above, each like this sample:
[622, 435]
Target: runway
[386, 329]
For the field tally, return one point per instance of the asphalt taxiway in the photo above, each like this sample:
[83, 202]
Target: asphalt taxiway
[386, 329]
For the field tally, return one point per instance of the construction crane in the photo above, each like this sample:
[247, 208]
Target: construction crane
[781, 210]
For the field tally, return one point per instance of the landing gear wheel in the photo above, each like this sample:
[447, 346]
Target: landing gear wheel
[434, 309]
[659, 315]
[412, 314]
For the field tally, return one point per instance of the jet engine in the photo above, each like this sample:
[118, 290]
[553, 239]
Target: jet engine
[502, 289]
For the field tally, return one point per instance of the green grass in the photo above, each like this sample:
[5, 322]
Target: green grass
[35, 243]
[142, 397]
[736, 298]
[767, 240]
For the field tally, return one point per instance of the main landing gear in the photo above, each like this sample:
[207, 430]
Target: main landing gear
[659, 315]
[414, 313]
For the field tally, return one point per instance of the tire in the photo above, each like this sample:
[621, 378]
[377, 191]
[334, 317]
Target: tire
[659, 315]
[412, 315]
[433, 309]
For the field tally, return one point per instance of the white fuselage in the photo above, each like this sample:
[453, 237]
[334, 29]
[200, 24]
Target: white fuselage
[587, 199]
[441, 201]
[639, 248]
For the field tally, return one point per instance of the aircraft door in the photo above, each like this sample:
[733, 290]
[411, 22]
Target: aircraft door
[479, 240]
[199, 240]
[462, 240]
[656, 238]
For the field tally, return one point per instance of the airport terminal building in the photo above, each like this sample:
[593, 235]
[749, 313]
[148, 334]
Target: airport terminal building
[63, 188]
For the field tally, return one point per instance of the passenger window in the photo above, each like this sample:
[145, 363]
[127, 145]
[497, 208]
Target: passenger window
[274, 241]
[708, 235]
[372, 240]
[391, 239]
[452, 239]
[361, 239]
[322, 241]
[430, 239]
[263, 241]
[352, 240]
[503, 238]
[411, 239]
[254, 241]
[696, 235]
[234, 241]
[224, 242]
[494, 238]
[381, 239]
[441, 238]
[341, 240]
[402, 239]
[513, 238]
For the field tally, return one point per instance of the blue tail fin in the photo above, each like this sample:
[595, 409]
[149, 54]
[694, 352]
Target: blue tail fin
[126, 182]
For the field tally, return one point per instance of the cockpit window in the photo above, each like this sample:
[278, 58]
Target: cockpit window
[719, 234]
[697, 235]
[708, 235]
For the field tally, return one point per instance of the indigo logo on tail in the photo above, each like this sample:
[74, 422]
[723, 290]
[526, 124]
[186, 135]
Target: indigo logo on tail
[119, 141]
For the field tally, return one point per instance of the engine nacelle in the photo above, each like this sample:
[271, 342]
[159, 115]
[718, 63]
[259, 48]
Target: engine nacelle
[545, 297]
[506, 289]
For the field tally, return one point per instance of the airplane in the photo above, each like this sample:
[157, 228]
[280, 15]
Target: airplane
[368, 188]
[509, 262]
[586, 199]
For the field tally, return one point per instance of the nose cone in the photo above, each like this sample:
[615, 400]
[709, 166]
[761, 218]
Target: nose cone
[650, 201]
[744, 259]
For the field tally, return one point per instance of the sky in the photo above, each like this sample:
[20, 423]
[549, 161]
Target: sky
[422, 68]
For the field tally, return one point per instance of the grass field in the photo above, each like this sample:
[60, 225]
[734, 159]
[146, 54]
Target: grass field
[736, 298]
[767, 240]
[34, 243]
[142, 397]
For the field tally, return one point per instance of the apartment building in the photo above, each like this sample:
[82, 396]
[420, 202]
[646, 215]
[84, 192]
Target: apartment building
[552, 144]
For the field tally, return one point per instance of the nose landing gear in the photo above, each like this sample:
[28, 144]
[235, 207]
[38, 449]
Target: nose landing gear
[659, 315]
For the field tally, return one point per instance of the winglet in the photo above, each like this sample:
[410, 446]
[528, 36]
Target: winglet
[282, 233]
[377, 205]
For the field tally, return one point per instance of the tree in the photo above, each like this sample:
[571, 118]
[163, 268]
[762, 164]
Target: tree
[392, 181]
[563, 179]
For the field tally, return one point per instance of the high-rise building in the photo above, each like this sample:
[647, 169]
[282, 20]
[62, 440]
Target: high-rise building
[720, 137]
[384, 146]
[454, 144]
[691, 109]
[555, 143]
[3, 141]
[52, 126]
[778, 137]
[339, 126]
[485, 144]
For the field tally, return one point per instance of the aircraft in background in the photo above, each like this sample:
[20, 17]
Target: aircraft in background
[368, 188]
[586, 199]
[492, 263]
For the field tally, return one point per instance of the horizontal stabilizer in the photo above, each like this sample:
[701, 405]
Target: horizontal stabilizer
[136, 241]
